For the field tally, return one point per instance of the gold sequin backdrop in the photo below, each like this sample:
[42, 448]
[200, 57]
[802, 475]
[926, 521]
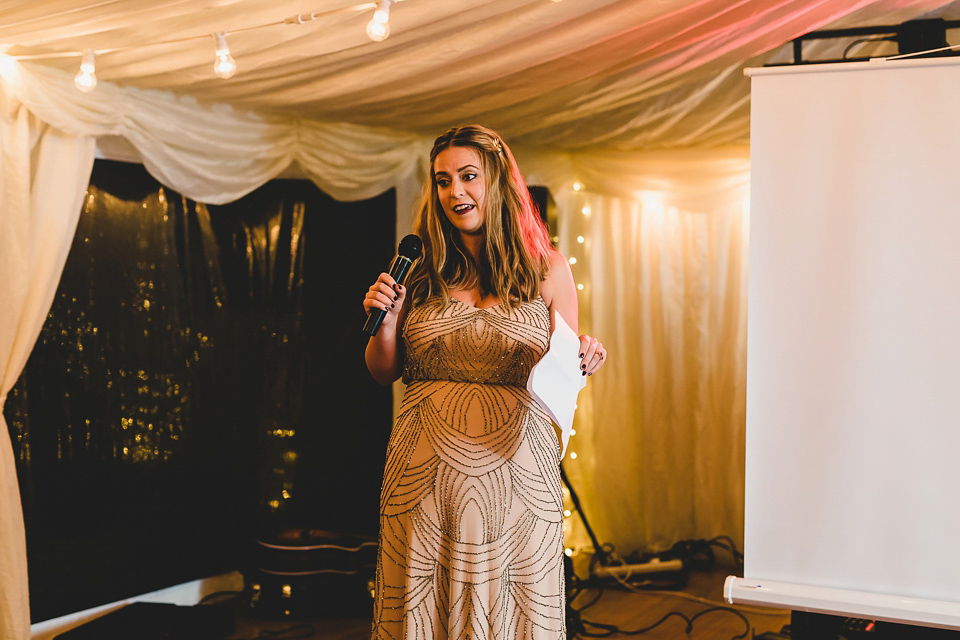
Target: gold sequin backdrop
[199, 377]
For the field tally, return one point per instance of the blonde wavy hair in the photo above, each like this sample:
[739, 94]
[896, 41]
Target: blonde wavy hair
[515, 254]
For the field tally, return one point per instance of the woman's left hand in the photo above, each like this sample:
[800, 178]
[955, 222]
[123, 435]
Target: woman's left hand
[592, 355]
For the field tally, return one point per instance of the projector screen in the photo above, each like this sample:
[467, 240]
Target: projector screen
[853, 343]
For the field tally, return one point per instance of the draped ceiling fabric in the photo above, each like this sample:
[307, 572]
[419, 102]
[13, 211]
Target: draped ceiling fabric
[641, 102]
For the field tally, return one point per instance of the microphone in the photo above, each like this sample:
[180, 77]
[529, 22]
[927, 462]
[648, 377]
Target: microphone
[409, 250]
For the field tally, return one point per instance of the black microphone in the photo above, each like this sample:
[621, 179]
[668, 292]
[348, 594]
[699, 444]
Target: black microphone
[409, 250]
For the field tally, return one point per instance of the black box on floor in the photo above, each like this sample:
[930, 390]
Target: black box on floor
[301, 573]
[805, 625]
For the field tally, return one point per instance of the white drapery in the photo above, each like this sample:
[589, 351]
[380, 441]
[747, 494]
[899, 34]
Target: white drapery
[584, 91]
[43, 175]
[659, 241]
[623, 74]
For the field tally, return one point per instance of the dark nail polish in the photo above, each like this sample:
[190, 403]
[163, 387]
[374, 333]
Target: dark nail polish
[584, 373]
[583, 366]
[392, 306]
[581, 355]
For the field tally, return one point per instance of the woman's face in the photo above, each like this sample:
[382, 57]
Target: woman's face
[461, 188]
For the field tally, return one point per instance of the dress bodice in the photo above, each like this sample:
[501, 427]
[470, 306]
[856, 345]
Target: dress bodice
[452, 340]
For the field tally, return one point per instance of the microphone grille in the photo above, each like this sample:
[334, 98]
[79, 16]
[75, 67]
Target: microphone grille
[410, 247]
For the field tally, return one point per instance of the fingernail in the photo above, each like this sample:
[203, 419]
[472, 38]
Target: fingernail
[589, 374]
[584, 373]
[583, 366]
[395, 297]
[581, 355]
[392, 306]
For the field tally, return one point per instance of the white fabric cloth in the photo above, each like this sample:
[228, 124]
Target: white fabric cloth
[43, 175]
[625, 74]
[663, 266]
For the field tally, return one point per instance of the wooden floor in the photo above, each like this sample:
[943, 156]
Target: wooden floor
[623, 609]
[631, 611]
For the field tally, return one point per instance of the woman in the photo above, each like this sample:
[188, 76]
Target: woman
[471, 524]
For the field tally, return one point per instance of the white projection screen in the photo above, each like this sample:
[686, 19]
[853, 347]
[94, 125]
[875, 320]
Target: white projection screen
[853, 343]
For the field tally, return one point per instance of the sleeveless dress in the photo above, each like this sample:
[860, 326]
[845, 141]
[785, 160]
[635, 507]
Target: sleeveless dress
[471, 525]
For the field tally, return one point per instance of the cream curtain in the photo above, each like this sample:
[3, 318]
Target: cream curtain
[660, 248]
[43, 175]
[624, 74]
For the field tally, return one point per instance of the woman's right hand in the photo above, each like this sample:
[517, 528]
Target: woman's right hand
[385, 294]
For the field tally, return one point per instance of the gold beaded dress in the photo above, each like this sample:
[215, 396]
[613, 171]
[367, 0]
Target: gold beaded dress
[471, 525]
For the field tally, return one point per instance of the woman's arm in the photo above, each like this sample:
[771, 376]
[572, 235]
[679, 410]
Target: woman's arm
[384, 352]
[560, 294]
[559, 291]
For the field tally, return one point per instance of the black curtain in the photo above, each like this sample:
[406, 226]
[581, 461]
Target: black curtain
[199, 379]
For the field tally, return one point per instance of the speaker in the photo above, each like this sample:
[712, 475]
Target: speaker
[309, 573]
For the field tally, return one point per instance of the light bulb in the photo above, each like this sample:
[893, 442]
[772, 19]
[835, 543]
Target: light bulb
[86, 79]
[379, 26]
[378, 31]
[225, 66]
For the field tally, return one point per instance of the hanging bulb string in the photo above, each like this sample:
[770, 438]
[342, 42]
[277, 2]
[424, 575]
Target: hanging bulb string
[301, 18]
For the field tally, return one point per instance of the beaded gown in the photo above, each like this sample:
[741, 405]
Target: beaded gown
[471, 526]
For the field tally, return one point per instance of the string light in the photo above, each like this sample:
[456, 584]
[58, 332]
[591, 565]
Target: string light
[580, 287]
[581, 239]
[573, 261]
[86, 80]
[379, 26]
[577, 186]
[225, 66]
[585, 211]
